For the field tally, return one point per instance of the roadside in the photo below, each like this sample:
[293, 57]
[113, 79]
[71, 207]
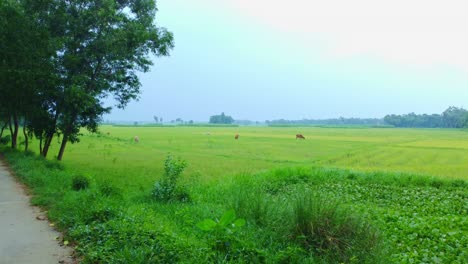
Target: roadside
[25, 234]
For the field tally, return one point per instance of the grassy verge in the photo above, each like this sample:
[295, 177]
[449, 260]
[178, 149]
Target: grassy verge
[294, 215]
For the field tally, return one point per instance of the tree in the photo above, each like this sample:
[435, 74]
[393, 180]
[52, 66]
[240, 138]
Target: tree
[104, 44]
[221, 119]
[156, 119]
[25, 60]
[454, 117]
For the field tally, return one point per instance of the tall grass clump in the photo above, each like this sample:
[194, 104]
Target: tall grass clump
[333, 233]
[80, 182]
[168, 188]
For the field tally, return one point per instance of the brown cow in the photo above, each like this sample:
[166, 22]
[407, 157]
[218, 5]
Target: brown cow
[299, 136]
[236, 136]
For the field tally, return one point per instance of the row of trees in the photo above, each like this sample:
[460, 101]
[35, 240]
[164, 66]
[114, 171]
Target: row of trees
[60, 59]
[331, 121]
[453, 117]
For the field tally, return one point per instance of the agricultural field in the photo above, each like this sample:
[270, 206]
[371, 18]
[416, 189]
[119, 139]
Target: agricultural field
[432, 152]
[343, 195]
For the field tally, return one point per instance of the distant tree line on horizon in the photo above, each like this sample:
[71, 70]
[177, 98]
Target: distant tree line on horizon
[453, 117]
[60, 59]
[330, 121]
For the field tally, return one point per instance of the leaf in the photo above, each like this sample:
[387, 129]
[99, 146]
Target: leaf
[207, 225]
[227, 218]
[65, 243]
[239, 222]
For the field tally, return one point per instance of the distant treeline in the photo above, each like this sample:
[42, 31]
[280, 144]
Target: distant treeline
[453, 117]
[327, 122]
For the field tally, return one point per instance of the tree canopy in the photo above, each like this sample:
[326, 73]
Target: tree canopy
[453, 117]
[60, 59]
[221, 119]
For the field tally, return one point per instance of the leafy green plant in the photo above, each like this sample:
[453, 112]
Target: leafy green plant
[221, 232]
[168, 189]
[80, 182]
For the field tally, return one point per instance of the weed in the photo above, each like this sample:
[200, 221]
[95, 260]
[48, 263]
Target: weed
[80, 182]
[108, 189]
[167, 189]
[221, 233]
[332, 233]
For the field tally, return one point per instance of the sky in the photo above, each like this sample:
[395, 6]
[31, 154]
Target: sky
[270, 59]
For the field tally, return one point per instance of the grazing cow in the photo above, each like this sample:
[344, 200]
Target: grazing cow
[236, 136]
[299, 136]
[136, 139]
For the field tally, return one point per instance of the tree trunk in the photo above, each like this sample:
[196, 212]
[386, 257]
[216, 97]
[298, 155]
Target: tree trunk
[3, 128]
[62, 146]
[47, 142]
[40, 145]
[9, 126]
[14, 131]
[26, 139]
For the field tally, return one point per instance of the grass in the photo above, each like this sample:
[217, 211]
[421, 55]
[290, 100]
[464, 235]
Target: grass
[403, 200]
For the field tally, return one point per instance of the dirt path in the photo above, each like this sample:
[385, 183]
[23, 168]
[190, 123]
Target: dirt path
[24, 238]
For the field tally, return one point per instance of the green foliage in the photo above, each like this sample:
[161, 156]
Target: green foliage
[109, 189]
[60, 59]
[452, 117]
[336, 235]
[168, 189]
[80, 182]
[221, 119]
[221, 233]
[228, 223]
[5, 139]
[419, 219]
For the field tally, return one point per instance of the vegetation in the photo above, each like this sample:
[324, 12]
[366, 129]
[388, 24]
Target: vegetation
[168, 189]
[221, 119]
[60, 59]
[305, 214]
[453, 117]
[332, 121]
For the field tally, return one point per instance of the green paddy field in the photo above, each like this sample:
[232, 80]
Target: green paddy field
[213, 153]
[387, 195]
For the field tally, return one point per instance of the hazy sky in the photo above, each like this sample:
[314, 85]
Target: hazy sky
[270, 59]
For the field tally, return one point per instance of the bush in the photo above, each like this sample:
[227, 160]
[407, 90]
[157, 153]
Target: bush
[80, 183]
[167, 189]
[5, 140]
[332, 233]
[108, 189]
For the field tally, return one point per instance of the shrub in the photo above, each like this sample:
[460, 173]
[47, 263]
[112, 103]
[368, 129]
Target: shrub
[5, 140]
[108, 189]
[167, 189]
[222, 236]
[80, 182]
[332, 233]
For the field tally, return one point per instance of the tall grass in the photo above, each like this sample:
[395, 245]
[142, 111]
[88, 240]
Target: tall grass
[293, 215]
[334, 233]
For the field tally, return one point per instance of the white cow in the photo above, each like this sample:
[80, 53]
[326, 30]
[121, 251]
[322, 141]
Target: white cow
[136, 139]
